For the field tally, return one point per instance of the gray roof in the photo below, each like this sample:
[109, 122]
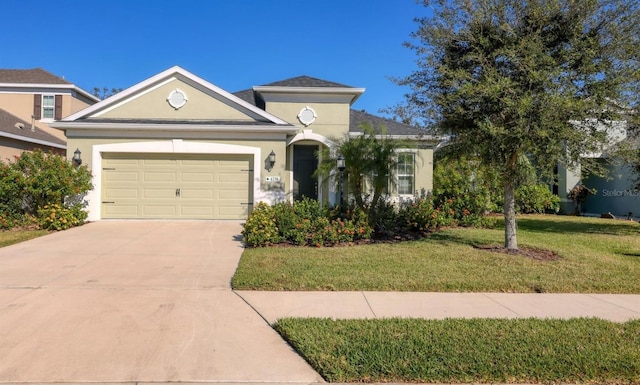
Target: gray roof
[11, 124]
[357, 118]
[248, 96]
[305, 81]
[30, 76]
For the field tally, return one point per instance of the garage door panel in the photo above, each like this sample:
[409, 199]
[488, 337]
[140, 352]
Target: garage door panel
[120, 211]
[159, 210]
[196, 186]
[198, 177]
[121, 193]
[157, 193]
[157, 176]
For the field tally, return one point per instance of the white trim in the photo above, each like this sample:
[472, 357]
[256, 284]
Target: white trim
[31, 140]
[125, 101]
[41, 86]
[310, 135]
[283, 93]
[171, 74]
[174, 146]
[173, 127]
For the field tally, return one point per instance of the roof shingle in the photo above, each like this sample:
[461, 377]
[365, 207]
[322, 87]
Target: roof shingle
[11, 124]
[30, 76]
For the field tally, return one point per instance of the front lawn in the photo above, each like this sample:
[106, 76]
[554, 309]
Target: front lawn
[11, 237]
[595, 256]
[468, 351]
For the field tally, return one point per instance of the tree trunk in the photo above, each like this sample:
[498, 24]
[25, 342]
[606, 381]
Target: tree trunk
[510, 228]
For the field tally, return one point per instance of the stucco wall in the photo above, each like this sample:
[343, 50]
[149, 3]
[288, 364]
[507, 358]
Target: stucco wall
[153, 105]
[332, 121]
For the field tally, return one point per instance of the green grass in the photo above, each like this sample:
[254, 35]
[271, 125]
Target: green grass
[478, 350]
[16, 236]
[597, 256]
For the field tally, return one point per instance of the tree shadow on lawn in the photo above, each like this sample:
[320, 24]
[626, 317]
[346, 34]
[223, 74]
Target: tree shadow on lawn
[535, 253]
[556, 225]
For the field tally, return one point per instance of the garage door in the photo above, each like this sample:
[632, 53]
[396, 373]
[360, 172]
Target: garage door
[176, 187]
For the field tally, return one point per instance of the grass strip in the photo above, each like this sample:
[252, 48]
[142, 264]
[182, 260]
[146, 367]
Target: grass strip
[596, 256]
[16, 236]
[582, 350]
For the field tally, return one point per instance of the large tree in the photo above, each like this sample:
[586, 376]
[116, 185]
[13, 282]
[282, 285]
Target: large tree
[519, 81]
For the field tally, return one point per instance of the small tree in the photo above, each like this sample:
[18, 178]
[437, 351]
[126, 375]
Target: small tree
[516, 79]
[370, 164]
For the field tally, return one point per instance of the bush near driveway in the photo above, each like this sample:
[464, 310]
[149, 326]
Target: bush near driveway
[43, 188]
[303, 223]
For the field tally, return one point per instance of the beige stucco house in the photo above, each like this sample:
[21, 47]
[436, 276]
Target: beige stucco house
[30, 99]
[177, 146]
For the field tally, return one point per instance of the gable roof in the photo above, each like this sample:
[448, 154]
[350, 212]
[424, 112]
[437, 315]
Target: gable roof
[15, 128]
[90, 116]
[30, 76]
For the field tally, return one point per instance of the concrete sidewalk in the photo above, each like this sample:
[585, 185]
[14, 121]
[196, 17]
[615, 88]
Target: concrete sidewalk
[349, 305]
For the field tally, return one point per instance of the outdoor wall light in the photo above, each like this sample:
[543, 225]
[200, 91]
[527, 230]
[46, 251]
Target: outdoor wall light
[77, 159]
[272, 159]
[341, 165]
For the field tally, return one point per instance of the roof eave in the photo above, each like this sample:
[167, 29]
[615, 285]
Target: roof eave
[32, 140]
[62, 125]
[355, 92]
[52, 86]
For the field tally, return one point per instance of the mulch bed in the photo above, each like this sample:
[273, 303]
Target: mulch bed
[529, 252]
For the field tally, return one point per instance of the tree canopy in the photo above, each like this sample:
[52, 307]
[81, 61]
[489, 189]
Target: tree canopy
[520, 81]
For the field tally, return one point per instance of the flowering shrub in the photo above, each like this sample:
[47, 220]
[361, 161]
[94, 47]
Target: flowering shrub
[58, 217]
[260, 228]
[37, 184]
[303, 223]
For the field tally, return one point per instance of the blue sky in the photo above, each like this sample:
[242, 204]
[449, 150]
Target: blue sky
[234, 44]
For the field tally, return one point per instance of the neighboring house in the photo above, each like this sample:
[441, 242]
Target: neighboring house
[177, 146]
[615, 192]
[30, 100]
[17, 135]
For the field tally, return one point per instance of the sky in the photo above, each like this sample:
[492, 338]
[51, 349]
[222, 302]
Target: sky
[234, 44]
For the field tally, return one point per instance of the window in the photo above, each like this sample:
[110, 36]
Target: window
[406, 173]
[48, 106]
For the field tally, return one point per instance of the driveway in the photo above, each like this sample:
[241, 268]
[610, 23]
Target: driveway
[135, 301]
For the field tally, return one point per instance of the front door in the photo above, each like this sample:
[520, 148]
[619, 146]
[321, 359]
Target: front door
[305, 164]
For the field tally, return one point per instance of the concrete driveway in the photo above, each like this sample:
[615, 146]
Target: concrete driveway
[135, 301]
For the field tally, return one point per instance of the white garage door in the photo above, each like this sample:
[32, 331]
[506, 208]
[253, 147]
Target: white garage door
[189, 186]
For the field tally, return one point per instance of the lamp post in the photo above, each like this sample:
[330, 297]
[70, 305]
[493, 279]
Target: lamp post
[341, 167]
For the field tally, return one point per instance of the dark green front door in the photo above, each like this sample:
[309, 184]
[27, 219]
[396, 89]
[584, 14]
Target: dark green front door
[305, 164]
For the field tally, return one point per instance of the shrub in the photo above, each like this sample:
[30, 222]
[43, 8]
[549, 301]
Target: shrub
[58, 217]
[36, 180]
[303, 223]
[538, 198]
[466, 188]
[11, 187]
[260, 228]
[49, 179]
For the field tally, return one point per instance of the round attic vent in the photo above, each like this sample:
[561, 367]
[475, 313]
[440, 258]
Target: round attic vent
[177, 98]
[307, 116]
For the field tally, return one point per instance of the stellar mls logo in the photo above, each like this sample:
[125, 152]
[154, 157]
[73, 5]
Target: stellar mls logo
[621, 193]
